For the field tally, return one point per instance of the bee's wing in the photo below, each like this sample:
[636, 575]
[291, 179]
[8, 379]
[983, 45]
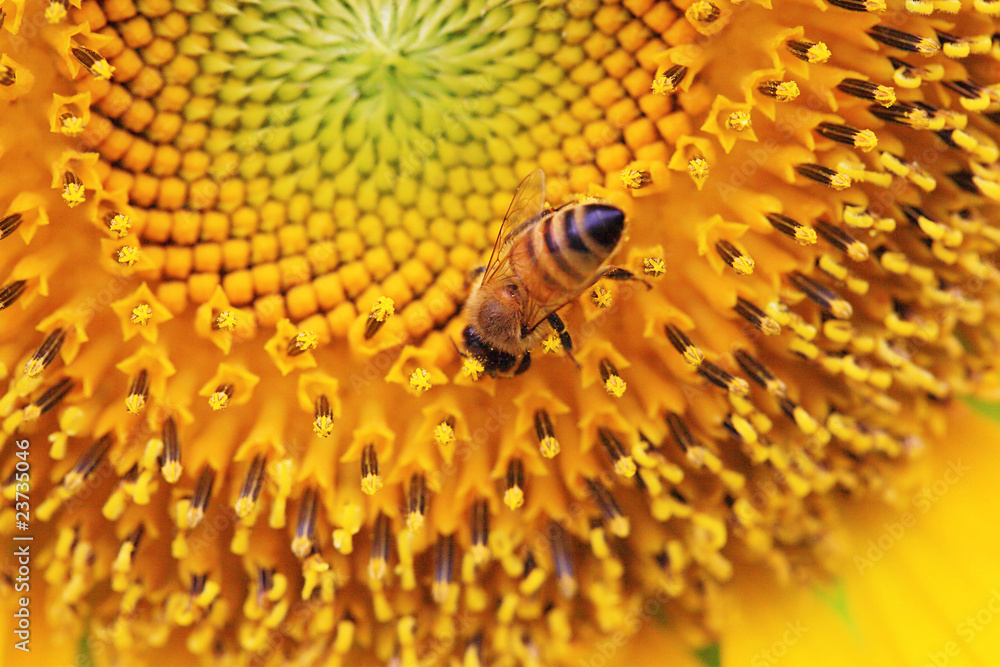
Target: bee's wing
[528, 203]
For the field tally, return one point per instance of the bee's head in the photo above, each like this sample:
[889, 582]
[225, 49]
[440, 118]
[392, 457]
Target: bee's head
[498, 314]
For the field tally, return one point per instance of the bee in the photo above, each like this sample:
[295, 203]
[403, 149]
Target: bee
[541, 261]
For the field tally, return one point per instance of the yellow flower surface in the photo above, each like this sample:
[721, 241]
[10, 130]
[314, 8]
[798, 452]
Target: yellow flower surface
[235, 241]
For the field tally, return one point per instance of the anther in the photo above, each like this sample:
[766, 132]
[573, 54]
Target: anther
[480, 531]
[871, 6]
[562, 559]
[378, 560]
[127, 255]
[138, 393]
[253, 483]
[759, 373]
[783, 91]
[867, 90]
[905, 41]
[513, 495]
[843, 241]
[70, 124]
[87, 463]
[822, 296]
[323, 420]
[738, 121]
[824, 175]
[974, 96]
[793, 229]
[613, 382]
[698, 169]
[49, 399]
[547, 443]
[224, 321]
[444, 566]
[953, 46]
[692, 355]
[56, 10]
[617, 523]
[680, 433]
[666, 83]
[9, 225]
[93, 61]
[757, 317]
[743, 264]
[633, 179]
[305, 526]
[416, 502]
[170, 464]
[11, 293]
[723, 379]
[73, 191]
[119, 223]
[815, 53]
[8, 75]
[202, 494]
[302, 343]
[903, 113]
[380, 312]
[141, 314]
[45, 353]
[620, 459]
[703, 11]
[221, 397]
[653, 266]
[864, 140]
[370, 479]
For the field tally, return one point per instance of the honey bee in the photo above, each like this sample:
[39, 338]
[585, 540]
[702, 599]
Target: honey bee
[541, 261]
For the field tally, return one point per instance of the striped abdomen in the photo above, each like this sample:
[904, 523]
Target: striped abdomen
[558, 256]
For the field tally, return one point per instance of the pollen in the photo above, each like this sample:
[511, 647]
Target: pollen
[472, 368]
[420, 380]
[551, 343]
[141, 314]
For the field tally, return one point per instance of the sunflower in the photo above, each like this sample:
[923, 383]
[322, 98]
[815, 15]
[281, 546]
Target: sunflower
[236, 238]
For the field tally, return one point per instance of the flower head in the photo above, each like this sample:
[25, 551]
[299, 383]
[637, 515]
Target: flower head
[285, 202]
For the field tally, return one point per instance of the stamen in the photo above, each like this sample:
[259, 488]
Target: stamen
[221, 397]
[903, 113]
[8, 75]
[378, 560]
[757, 317]
[127, 255]
[904, 40]
[380, 312]
[562, 560]
[633, 179]
[680, 433]
[170, 466]
[11, 293]
[49, 399]
[738, 121]
[864, 140]
[253, 483]
[45, 353]
[815, 53]
[841, 240]
[783, 91]
[731, 255]
[138, 393]
[202, 494]
[666, 83]
[141, 314]
[702, 11]
[94, 62]
[620, 459]
[824, 175]
[821, 295]
[224, 321]
[480, 532]
[370, 479]
[73, 191]
[613, 382]
[698, 169]
[87, 463]
[692, 355]
[953, 46]
[653, 266]
[323, 421]
[793, 229]
[513, 496]
[9, 225]
[723, 379]
[56, 11]
[416, 503]
[547, 443]
[867, 90]
[872, 6]
[305, 526]
[617, 523]
[444, 565]
[974, 96]
[302, 343]
[759, 373]
[119, 223]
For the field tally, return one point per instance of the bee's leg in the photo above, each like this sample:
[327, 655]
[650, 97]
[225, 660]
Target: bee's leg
[557, 325]
[618, 273]
[524, 365]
